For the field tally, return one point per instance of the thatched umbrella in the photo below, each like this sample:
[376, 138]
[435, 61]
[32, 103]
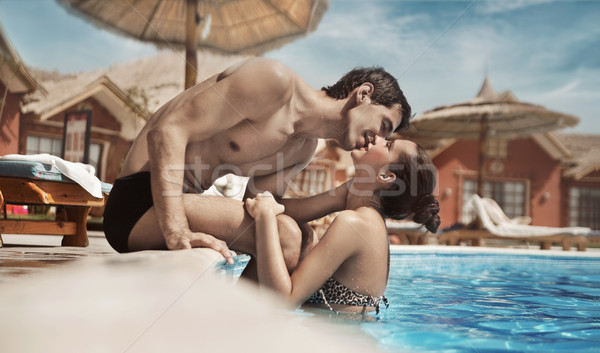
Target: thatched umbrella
[490, 113]
[226, 26]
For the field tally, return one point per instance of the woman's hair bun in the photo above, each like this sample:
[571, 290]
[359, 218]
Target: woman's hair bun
[426, 212]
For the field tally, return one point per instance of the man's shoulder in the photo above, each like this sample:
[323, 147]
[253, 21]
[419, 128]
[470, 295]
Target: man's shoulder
[267, 82]
[266, 64]
[265, 71]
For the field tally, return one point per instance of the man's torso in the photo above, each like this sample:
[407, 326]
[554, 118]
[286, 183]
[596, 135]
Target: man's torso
[249, 148]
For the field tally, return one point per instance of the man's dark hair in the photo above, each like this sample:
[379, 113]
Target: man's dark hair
[386, 91]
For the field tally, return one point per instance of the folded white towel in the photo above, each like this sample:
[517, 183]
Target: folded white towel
[82, 174]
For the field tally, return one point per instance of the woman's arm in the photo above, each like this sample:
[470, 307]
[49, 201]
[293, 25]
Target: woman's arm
[319, 265]
[272, 271]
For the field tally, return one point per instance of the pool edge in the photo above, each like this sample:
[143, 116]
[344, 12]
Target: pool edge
[446, 249]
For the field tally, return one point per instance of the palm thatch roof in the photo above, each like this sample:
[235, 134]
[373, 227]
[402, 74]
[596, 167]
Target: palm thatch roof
[155, 79]
[585, 154]
[13, 73]
[507, 116]
[131, 91]
[225, 26]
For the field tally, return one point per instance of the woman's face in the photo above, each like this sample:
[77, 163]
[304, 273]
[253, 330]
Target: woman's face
[381, 154]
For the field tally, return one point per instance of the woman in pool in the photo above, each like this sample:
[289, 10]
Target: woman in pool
[347, 270]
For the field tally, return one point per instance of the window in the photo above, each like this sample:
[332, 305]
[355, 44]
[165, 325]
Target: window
[510, 195]
[53, 146]
[497, 148]
[311, 181]
[583, 207]
[94, 155]
[38, 144]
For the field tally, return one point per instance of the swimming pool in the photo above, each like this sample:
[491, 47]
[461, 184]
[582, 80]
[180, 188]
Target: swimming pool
[490, 302]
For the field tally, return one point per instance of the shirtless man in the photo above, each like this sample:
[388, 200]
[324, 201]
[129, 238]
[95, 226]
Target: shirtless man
[257, 119]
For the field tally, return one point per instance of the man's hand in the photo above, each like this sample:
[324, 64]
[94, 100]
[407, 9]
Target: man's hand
[188, 239]
[263, 203]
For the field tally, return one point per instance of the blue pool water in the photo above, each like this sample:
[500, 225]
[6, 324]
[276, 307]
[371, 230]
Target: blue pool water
[490, 303]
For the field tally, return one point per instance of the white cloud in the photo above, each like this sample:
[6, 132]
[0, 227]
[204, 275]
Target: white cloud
[578, 94]
[568, 89]
[577, 89]
[368, 29]
[497, 6]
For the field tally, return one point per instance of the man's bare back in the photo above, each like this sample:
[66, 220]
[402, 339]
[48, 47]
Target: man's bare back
[257, 119]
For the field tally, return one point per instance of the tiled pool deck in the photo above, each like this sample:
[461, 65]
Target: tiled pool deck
[25, 255]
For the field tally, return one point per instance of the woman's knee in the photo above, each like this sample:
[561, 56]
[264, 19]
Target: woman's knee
[290, 237]
[309, 239]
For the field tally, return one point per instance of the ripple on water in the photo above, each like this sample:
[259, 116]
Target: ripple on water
[490, 304]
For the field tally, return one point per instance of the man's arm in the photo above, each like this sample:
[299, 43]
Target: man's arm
[166, 152]
[167, 143]
[300, 209]
[276, 181]
[304, 209]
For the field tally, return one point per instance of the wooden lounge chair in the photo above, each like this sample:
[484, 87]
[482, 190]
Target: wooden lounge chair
[546, 236]
[33, 183]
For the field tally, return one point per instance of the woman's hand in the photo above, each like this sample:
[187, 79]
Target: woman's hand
[263, 203]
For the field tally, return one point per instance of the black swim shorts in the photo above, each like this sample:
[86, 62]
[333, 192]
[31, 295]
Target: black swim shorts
[129, 199]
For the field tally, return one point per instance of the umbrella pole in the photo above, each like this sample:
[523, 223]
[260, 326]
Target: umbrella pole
[191, 64]
[482, 153]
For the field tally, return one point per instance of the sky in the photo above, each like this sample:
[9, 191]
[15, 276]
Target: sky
[545, 52]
